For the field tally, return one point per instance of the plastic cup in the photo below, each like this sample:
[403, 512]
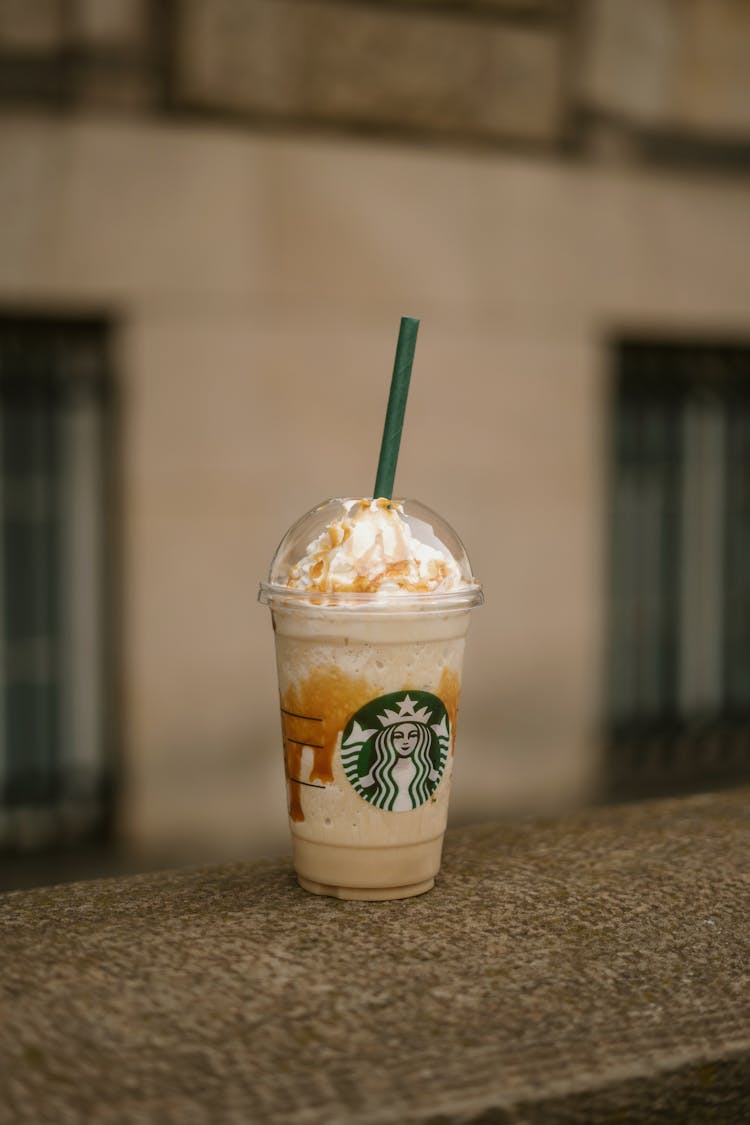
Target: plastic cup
[369, 690]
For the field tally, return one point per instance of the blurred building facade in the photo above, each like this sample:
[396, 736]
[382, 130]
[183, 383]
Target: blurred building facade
[244, 196]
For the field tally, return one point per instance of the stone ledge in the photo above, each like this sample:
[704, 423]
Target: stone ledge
[396, 68]
[589, 969]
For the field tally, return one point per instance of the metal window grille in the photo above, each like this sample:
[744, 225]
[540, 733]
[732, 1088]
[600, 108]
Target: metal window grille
[679, 636]
[56, 765]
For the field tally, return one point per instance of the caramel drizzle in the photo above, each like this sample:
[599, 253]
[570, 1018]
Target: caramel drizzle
[449, 690]
[313, 712]
[293, 748]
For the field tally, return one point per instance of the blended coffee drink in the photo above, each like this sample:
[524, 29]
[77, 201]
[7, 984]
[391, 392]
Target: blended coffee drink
[370, 602]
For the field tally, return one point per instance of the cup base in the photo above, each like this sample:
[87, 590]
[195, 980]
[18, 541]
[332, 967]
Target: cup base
[367, 873]
[366, 894]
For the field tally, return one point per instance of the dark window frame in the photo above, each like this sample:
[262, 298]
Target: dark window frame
[656, 741]
[59, 370]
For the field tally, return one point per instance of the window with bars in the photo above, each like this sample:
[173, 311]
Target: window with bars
[679, 630]
[56, 762]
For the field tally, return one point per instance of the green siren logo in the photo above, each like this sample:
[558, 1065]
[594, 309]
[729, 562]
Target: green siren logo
[395, 748]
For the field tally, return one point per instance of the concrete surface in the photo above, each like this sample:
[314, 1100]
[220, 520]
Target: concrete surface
[591, 969]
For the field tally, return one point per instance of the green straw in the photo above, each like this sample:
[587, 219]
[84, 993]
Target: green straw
[394, 415]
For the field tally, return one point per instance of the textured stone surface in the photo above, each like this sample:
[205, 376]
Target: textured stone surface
[659, 65]
[591, 969]
[513, 8]
[121, 85]
[110, 23]
[374, 66]
[31, 26]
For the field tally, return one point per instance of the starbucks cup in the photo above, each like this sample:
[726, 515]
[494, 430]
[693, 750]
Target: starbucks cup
[369, 688]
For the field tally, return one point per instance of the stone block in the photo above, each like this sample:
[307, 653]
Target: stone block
[372, 67]
[31, 26]
[665, 67]
[628, 57]
[547, 9]
[122, 86]
[110, 23]
[712, 84]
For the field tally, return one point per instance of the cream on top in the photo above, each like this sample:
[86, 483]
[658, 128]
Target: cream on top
[372, 550]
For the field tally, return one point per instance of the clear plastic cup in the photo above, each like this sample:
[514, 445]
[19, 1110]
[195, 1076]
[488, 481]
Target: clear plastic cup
[369, 688]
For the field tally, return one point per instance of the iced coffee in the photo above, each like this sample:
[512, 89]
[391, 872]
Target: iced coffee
[371, 602]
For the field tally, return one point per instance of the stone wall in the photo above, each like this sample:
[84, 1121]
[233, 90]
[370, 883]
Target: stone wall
[247, 273]
[649, 78]
[245, 268]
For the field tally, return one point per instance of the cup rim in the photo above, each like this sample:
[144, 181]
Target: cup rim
[285, 597]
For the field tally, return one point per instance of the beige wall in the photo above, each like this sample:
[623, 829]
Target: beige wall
[258, 283]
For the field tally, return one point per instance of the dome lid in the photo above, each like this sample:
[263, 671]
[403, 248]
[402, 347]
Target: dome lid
[430, 535]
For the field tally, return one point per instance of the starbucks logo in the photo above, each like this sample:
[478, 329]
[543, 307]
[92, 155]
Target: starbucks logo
[395, 748]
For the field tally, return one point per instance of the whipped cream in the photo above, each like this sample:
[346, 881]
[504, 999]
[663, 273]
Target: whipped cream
[372, 550]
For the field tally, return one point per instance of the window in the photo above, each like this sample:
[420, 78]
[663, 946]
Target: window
[55, 461]
[679, 636]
